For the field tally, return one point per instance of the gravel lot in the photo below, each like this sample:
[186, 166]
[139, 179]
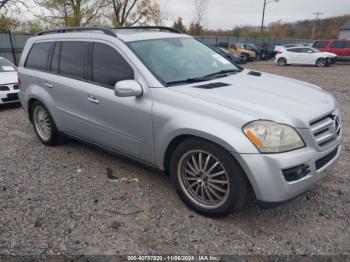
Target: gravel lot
[58, 200]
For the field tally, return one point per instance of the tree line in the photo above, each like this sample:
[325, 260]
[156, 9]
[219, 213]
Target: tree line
[325, 28]
[18, 15]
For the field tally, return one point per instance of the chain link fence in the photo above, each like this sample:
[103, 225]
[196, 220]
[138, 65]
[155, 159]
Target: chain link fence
[12, 44]
[258, 41]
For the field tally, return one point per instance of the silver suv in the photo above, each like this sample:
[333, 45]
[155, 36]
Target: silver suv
[174, 103]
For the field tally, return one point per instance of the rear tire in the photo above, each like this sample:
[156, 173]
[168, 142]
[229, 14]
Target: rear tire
[321, 62]
[208, 178]
[44, 125]
[282, 61]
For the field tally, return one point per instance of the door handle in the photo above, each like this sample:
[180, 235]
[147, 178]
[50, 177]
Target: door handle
[47, 84]
[93, 99]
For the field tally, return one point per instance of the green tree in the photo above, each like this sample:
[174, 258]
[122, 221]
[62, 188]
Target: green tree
[7, 23]
[72, 12]
[179, 25]
[195, 29]
[131, 12]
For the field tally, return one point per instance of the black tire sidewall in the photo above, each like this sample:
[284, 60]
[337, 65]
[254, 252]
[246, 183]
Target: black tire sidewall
[282, 59]
[238, 186]
[54, 132]
[324, 62]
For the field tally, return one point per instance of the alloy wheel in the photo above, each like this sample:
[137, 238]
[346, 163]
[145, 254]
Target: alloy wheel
[42, 123]
[203, 179]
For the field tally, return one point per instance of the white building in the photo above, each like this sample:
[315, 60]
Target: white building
[344, 32]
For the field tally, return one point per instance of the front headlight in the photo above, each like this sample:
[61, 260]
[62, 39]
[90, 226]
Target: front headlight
[271, 137]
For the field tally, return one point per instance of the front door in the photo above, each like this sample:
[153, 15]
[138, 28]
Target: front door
[123, 124]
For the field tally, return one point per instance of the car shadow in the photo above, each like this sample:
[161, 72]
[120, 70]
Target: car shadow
[4, 107]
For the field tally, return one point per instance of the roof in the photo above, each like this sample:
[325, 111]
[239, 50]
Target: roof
[126, 34]
[146, 35]
[346, 26]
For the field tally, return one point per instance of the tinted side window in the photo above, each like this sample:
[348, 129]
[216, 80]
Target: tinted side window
[72, 59]
[39, 56]
[108, 66]
[338, 44]
[347, 44]
[294, 50]
[320, 44]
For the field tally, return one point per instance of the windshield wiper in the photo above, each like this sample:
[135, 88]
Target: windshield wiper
[222, 73]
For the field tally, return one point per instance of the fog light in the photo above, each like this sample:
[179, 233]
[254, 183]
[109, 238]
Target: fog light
[296, 173]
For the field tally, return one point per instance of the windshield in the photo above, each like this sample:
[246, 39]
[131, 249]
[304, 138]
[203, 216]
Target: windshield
[176, 60]
[6, 66]
[315, 50]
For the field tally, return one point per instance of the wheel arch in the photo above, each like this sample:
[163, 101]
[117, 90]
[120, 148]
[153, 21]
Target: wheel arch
[180, 138]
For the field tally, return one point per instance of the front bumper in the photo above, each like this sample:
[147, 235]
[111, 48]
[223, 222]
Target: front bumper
[10, 96]
[264, 171]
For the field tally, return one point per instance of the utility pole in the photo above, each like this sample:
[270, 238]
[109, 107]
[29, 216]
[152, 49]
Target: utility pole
[263, 15]
[317, 15]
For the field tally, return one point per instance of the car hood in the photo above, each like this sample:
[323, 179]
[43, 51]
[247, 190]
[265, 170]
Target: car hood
[329, 54]
[8, 77]
[266, 96]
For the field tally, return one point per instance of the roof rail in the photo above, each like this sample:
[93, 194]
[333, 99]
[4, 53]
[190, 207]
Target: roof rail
[105, 30]
[160, 28]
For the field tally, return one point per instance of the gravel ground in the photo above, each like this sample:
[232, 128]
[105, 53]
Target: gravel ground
[58, 200]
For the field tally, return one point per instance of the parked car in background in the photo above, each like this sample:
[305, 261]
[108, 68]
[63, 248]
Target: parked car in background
[280, 47]
[302, 56]
[333, 56]
[339, 47]
[9, 86]
[173, 103]
[261, 53]
[232, 57]
[239, 49]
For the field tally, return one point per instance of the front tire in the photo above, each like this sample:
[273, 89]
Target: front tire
[208, 178]
[44, 125]
[321, 62]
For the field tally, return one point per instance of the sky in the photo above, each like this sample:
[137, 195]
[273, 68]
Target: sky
[225, 14]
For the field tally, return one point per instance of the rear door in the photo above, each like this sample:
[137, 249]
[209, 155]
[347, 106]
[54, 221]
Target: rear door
[67, 88]
[293, 55]
[347, 49]
[123, 124]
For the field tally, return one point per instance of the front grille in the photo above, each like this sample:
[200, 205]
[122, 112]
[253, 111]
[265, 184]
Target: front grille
[10, 97]
[326, 129]
[4, 88]
[326, 159]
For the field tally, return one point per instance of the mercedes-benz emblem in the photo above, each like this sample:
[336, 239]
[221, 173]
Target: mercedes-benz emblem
[336, 124]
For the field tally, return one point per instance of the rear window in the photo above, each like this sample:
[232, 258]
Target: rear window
[321, 44]
[39, 56]
[338, 44]
[72, 59]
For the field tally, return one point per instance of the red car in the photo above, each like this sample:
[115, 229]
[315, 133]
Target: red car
[340, 47]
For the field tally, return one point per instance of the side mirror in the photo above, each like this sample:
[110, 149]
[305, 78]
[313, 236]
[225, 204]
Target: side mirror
[128, 88]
